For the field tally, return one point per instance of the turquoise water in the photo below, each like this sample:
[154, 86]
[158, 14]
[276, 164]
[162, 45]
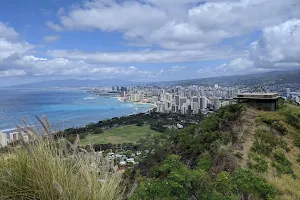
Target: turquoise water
[64, 108]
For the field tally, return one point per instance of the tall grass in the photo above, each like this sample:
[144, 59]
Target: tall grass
[49, 169]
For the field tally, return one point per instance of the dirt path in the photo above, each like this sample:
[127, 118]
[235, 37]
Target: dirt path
[246, 128]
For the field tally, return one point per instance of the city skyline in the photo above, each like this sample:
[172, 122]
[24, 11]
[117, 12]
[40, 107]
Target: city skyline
[147, 40]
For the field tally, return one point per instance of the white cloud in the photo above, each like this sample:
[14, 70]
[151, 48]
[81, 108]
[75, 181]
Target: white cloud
[54, 26]
[8, 48]
[278, 44]
[187, 24]
[177, 68]
[12, 72]
[7, 32]
[277, 48]
[51, 38]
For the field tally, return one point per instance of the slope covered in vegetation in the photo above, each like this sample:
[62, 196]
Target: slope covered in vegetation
[236, 153]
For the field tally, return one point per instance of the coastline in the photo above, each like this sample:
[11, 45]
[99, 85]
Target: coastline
[153, 105]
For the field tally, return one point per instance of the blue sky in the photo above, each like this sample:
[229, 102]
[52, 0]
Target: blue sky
[145, 40]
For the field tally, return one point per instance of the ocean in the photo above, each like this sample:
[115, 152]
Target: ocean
[65, 108]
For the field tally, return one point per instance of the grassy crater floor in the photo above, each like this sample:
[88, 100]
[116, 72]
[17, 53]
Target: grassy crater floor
[123, 134]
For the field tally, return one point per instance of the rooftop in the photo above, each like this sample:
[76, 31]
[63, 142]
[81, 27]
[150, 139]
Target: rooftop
[258, 96]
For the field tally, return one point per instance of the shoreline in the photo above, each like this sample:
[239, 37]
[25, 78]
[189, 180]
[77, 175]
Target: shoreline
[146, 110]
[153, 105]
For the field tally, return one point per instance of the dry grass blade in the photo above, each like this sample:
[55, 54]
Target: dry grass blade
[47, 122]
[46, 131]
[24, 143]
[24, 122]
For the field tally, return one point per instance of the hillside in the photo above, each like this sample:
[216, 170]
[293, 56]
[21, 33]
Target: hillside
[274, 77]
[237, 153]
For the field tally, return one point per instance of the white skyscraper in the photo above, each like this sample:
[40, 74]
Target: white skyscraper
[184, 109]
[288, 92]
[3, 139]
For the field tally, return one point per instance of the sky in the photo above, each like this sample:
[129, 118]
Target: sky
[145, 40]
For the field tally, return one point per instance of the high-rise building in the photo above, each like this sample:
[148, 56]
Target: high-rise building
[177, 100]
[182, 101]
[3, 139]
[203, 103]
[195, 104]
[154, 99]
[123, 94]
[288, 92]
[123, 89]
[184, 108]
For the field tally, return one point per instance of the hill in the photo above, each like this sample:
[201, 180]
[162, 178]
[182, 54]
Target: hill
[236, 153]
[73, 83]
[274, 77]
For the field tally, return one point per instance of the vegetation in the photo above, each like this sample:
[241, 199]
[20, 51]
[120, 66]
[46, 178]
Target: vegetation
[237, 153]
[123, 134]
[47, 169]
[157, 122]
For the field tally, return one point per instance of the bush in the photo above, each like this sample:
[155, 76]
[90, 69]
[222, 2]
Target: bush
[293, 119]
[265, 142]
[98, 130]
[282, 164]
[280, 127]
[205, 162]
[258, 163]
[140, 123]
[248, 184]
[297, 140]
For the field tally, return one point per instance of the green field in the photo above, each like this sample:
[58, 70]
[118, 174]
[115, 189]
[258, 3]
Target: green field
[123, 134]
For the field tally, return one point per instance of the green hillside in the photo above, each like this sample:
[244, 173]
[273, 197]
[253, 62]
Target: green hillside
[237, 153]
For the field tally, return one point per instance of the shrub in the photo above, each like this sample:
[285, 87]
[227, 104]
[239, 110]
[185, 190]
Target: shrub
[293, 119]
[297, 140]
[140, 123]
[258, 163]
[248, 184]
[98, 130]
[282, 164]
[280, 127]
[298, 159]
[265, 142]
[205, 162]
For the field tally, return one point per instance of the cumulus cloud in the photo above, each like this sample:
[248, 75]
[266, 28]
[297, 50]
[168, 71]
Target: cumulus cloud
[177, 23]
[277, 48]
[8, 48]
[12, 72]
[16, 59]
[54, 26]
[51, 38]
[7, 32]
[278, 44]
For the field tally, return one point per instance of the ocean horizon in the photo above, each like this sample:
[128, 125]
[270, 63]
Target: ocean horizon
[65, 108]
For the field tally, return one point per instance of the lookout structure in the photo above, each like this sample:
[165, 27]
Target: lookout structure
[261, 100]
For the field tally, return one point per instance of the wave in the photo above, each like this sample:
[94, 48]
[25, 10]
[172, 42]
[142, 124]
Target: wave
[89, 98]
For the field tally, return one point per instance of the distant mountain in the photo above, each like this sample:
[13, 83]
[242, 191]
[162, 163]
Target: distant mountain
[74, 83]
[274, 77]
